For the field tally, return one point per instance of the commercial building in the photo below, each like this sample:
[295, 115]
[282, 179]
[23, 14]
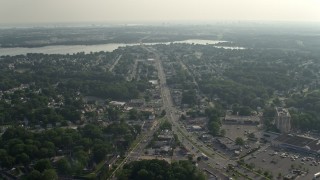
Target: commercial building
[301, 144]
[246, 120]
[283, 120]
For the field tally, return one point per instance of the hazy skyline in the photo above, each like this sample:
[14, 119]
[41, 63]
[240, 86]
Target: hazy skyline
[55, 11]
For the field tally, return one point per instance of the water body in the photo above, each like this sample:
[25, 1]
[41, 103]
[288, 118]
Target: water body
[70, 49]
[230, 47]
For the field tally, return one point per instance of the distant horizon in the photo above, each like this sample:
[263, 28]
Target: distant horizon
[137, 11]
[153, 23]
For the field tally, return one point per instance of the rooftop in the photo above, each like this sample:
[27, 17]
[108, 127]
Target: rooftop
[242, 118]
[300, 141]
[282, 111]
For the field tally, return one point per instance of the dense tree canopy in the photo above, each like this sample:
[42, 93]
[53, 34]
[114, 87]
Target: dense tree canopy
[49, 89]
[160, 169]
[79, 148]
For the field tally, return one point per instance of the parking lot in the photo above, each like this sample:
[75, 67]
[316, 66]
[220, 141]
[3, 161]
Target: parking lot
[284, 162]
[235, 130]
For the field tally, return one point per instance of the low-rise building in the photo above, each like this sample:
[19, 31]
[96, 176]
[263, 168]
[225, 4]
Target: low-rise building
[117, 103]
[246, 120]
[137, 102]
[196, 128]
[297, 143]
[227, 144]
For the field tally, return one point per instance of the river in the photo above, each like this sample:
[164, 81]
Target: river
[70, 49]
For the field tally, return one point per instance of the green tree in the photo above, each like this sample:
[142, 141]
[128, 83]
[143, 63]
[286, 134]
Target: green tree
[239, 141]
[64, 167]
[245, 111]
[81, 156]
[252, 135]
[133, 114]
[165, 125]
[99, 152]
[34, 175]
[143, 174]
[23, 158]
[154, 169]
[163, 113]
[49, 174]
[214, 128]
[189, 97]
[42, 165]
[198, 158]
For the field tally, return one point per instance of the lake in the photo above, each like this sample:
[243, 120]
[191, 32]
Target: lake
[70, 49]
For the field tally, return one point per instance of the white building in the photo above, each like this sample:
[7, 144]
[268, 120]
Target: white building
[283, 120]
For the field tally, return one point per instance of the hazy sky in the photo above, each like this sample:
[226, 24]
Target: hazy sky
[49, 11]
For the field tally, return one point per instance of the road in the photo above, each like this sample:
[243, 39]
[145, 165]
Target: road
[133, 73]
[142, 144]
[115, 63]
[216, 161]
[135, 152]
[188, 71]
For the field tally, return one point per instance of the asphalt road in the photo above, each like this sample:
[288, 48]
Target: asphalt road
[136, 151]
[215, 161]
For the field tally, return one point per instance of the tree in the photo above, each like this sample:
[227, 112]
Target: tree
[133, 114]
[163, 113]
[251, 165]
[189, 97]
[81, 156]
[7, 161]
[252, 135]
[214, 128]
[183, 117]
[64, 167]
[245, 111]
[276, 102]
[143, 174]
[160, 169]
[99, 152]
[92, 131]
[22, 158]
[113, 113]
[49, 174]
[239, 141]
[34, 175]
[165, 125]
[42, 165]
[198, 158]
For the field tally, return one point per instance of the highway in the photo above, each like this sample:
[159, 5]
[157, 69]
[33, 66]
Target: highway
[216, 162]
[196, 147]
